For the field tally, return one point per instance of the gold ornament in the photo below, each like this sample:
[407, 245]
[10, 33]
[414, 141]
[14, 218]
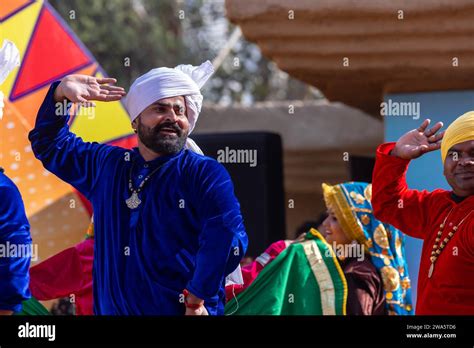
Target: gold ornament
[380, 237]
[365, 219]
[368, 192]
[390, 278]
[357, 197]
[398, 246]
[406, 283]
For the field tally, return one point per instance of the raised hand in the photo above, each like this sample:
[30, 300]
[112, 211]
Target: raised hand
[419, 141]
[84, 89]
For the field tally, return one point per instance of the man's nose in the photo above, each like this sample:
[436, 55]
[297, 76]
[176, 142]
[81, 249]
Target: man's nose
[466, 161]
[171, 116]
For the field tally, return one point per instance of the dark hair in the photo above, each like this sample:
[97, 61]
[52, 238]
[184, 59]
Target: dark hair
[321, 218]
[307, 225]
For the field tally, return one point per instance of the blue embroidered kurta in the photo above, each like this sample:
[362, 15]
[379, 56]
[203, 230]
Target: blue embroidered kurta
[14, 236]
[188, 231]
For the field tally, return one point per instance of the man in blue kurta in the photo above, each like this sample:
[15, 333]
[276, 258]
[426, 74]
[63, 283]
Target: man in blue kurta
[15, 248]
[168, 227]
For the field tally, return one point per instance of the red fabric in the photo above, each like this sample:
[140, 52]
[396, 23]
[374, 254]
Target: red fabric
[127, 142]
[450, 290]
[87, 205]
[65, 274]
[40, 65]
[251, 271]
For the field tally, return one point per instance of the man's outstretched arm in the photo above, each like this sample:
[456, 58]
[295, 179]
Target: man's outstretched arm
[393, 202]
[60, 151]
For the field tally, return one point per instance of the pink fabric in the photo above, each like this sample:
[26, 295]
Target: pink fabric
[251, 271]
[64, 274]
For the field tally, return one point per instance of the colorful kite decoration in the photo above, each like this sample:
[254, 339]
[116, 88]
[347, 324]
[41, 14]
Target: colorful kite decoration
[49, 50]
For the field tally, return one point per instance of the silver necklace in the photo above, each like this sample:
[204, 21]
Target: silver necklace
[133, 202]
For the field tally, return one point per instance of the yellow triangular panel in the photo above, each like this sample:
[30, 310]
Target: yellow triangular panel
[18, 29]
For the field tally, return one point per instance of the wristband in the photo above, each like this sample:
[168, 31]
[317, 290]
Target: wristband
[191, 305]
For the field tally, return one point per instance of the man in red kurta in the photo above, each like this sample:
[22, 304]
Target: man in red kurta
[446, 275]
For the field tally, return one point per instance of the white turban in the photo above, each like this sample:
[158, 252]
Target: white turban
[160, 83]
[9, 59]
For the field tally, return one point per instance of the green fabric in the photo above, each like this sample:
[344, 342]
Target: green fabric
[33, 307]
[288, 286]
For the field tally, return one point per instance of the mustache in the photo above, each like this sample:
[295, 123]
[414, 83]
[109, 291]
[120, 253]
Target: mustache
[465, 171]
[173, 126]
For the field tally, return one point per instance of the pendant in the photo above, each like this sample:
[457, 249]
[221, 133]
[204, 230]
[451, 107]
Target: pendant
[430, 272]
[133, 202]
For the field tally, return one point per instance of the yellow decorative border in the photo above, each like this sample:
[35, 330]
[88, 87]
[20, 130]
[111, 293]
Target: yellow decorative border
[322, 275]
[335, 198]
[364, 210]
[318, 235]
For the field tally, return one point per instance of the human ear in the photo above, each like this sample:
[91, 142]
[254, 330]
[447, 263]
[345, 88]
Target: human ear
[135, 125]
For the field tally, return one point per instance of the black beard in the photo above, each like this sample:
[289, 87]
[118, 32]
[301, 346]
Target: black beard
[159, 143]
